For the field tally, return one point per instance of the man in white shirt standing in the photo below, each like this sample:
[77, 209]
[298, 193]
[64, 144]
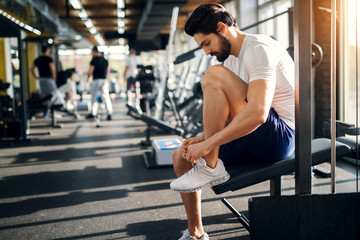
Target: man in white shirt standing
[248, 110]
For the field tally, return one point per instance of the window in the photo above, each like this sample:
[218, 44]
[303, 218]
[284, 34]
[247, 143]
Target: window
[278, 27]
[348, 59]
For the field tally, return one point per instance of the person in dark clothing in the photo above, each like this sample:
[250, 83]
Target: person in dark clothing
[47, 78]
[99, 71]
[46, 70]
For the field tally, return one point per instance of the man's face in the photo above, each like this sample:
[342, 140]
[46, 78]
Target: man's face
[214, 44]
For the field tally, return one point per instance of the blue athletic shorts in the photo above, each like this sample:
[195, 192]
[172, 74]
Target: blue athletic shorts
[272, 141]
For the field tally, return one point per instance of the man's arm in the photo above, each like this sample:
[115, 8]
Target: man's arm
[259, 96]
[107, 72]
[52, 68]
[32, 70]
[125, 72]
[90, 72]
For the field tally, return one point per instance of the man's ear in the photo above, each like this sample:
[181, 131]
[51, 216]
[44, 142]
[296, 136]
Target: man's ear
[221, 28]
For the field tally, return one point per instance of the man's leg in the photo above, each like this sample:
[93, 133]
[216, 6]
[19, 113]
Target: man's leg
[224, 96]
[93, 92]
[191, 200]
[105, 97]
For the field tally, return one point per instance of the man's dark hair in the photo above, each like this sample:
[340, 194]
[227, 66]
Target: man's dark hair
[44, 48]
[205, 18]
[95, 49]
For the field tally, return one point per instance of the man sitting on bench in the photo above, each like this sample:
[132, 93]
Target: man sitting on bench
[248, 108]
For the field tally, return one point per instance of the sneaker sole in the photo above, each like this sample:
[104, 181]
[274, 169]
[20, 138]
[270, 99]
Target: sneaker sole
[212, 183]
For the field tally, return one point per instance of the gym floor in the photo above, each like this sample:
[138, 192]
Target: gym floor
[83, 182]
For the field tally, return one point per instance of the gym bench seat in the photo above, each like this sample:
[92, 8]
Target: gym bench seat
[256, 171]
[253, 172]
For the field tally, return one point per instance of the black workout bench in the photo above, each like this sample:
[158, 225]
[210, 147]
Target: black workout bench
[256, 171]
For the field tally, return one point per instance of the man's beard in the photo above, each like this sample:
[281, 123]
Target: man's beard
[225, 49]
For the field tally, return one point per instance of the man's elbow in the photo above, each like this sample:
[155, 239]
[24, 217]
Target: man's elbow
[260, 117]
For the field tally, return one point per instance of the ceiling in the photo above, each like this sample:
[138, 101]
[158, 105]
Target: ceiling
[147, 23]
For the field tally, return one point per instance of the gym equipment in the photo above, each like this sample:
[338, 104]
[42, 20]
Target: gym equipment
[167, 70]
[9, 30]
[327, 216]
[162, 152]
[316, 55]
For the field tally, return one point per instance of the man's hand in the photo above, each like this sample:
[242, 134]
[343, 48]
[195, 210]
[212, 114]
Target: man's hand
[190, 147]
[197, 150]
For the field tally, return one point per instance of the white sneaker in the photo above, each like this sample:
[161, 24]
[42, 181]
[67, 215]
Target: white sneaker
[187, 236]
[199, 176]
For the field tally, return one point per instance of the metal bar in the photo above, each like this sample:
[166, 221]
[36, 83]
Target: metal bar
[168, 67]
[357, 96]
[67, 8]
[303, 74]
[291, 26]
[262, 21]
[275, 186]
[240, 217]
[22, 88]
[333, 93]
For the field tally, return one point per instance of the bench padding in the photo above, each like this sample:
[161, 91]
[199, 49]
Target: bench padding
[256, 171]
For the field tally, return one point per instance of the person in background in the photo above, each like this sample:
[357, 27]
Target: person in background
[46, 72]
[131, 71]
[47, 78]
[99, 70]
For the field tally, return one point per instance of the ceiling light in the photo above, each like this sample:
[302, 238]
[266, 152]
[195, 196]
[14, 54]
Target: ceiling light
[121, 30]
[121, 41]
[93, 30]
[77, 37]
[37, 32]
[29, 28]
[76, 4]
[121, 23]
[120, 13]
[83, 15]
[19, 23]
[99, 39]
[120, 4]
[89, 24]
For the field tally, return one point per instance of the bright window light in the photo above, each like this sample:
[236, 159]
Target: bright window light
[83, 51]
[117, 49]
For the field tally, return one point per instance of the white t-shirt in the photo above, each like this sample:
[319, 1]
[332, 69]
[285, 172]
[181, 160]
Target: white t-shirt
[261, 57]
[132, 61]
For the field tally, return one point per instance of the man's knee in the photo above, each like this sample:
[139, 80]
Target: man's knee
[180, 165]
[214, 75]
